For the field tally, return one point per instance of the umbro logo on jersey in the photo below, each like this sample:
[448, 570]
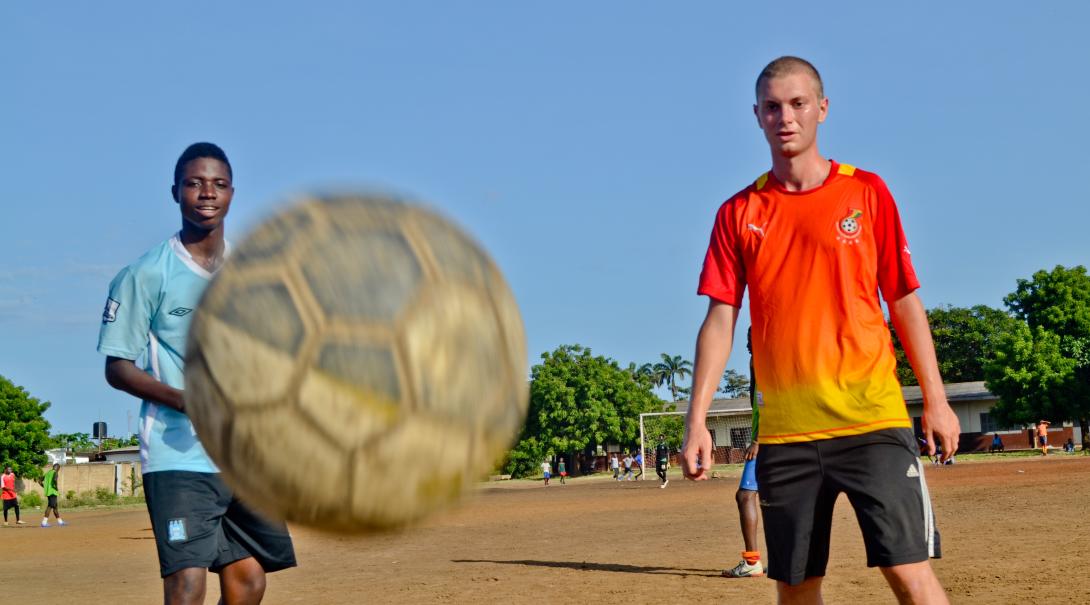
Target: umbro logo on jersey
[912, 472]
[181, 312]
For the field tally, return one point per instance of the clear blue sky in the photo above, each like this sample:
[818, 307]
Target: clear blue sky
[586, 144]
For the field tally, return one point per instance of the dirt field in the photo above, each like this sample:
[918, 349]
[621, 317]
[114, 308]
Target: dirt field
[1013, 531]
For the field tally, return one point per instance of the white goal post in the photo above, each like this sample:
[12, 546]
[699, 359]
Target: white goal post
[729, 428]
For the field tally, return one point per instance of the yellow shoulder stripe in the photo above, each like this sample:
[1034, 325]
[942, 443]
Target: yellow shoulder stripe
[761, 180]
[846, 169]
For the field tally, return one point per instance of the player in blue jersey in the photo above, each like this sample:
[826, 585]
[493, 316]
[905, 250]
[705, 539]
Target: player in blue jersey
[198, 524]
[746, 497]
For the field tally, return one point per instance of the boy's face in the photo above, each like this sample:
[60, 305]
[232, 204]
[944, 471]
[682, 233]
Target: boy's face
[204, 193]
[788, 110]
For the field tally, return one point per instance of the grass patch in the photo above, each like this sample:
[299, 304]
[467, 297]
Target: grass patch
[99, 497]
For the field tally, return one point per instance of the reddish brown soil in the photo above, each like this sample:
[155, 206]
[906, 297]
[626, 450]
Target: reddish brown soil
[1013, 531]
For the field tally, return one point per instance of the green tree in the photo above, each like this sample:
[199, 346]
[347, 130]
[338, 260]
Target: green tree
[671, 427]
[965, 340]
[1031, 376]
[734, 384]
[24, 432]
[1044, 371]
[672, 369]
[579, 401]
[76, 442]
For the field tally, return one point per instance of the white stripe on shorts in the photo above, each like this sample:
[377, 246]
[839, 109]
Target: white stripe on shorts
[928, 514]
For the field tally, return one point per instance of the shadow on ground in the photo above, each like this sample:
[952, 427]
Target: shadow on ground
[590, 566]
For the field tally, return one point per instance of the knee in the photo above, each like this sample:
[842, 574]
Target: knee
[247, 583]
[808, 591]
[251, 583]
[185, 586]
[744, 497]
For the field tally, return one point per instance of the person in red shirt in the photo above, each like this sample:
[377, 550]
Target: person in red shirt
[8, 495]
[816, 242]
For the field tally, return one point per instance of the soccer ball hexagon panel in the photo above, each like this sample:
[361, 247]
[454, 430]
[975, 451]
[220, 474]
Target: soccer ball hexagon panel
[358, 363]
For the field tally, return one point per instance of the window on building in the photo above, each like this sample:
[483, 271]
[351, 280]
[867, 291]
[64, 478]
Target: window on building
[989, 425]
[739, 437]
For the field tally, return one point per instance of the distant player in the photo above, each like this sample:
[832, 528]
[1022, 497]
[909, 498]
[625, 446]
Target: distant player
[546, 471]
[197, 523]
[817, 243]
[50, 486]
[639, 465]
[746, 497]
[628, 466]
[8, 495]
[562, 470]
[662, 460]
[1042, 436]
[615, 464]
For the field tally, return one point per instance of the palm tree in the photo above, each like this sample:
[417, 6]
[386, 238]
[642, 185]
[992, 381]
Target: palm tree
[644, 374]
[671, 369]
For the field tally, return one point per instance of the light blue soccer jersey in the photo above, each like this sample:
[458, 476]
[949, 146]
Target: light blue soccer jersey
[147, 315]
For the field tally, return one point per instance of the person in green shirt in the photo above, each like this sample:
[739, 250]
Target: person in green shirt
[51, 492]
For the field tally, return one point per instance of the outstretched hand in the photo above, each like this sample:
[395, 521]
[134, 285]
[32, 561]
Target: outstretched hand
[696, 452]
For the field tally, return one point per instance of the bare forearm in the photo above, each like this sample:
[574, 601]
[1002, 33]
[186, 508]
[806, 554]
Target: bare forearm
[123, 375]
[910, 321]
[939, 421]
[713, 345]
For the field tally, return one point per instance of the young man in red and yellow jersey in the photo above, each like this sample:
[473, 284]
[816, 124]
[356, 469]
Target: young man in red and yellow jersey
[816, 242]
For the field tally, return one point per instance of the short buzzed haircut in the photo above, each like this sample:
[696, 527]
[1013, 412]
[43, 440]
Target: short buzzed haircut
[197, 151]
[787, 65]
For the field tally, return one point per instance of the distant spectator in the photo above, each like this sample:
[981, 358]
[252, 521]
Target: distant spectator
[562, 470]
[11, 499]
[546, 471]
[1069, 447]
[1042, 436]
[923, 450]
[997, 444]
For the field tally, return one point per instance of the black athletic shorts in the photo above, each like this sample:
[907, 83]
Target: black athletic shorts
[198, 523]
[51, 502]
[883, 479]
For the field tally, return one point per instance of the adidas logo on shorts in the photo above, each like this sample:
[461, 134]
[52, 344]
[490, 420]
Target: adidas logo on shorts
[912, 472]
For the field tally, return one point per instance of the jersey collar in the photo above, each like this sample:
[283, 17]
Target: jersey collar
[187, 259]
[772, 182]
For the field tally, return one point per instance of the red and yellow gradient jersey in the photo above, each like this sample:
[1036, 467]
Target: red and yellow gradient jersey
[814, 263]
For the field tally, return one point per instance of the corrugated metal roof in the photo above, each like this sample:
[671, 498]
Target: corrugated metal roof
[958, 391]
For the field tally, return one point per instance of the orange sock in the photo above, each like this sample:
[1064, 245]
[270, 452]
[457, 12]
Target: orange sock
[751, 556]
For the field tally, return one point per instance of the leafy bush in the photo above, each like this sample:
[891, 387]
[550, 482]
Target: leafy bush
[31, 500]
[105, 496]
[101, 496]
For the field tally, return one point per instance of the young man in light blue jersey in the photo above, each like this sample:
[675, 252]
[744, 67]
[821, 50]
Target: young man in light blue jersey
[197, 522]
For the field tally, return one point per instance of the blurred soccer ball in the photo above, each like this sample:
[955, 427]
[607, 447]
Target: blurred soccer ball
[356, 364]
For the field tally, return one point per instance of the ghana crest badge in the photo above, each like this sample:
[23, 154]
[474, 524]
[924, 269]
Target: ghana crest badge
[849, 227]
